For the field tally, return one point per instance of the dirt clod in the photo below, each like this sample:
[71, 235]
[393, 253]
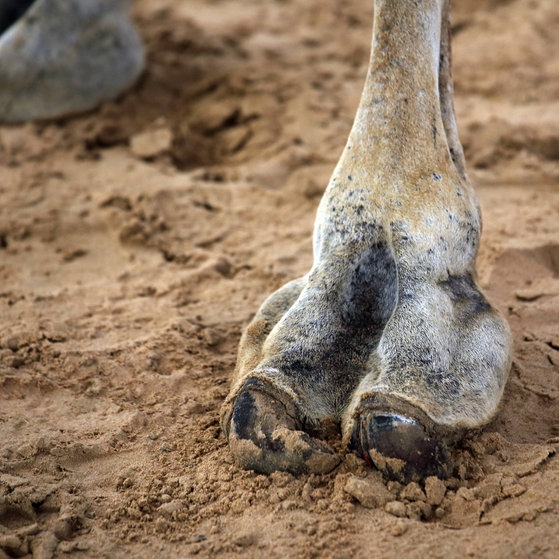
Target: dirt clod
[371, 493]
[396, 508]
[435, 490]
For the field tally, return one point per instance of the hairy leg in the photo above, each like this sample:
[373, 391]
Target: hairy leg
[388, 332]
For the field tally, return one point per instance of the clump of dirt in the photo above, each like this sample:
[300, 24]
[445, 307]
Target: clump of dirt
[137, 241]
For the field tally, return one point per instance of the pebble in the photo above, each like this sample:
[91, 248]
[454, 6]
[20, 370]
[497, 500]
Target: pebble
[435, 490]
[369, 492]
[127, 483]
[63, 528]
[212, 337]
[396, 508]
[412, 492]
[170, 508]
[151, 143]
[399, 529]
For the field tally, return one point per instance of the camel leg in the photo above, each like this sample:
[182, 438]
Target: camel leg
[388, 332]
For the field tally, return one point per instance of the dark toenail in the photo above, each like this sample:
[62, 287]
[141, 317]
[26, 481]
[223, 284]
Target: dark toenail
[244, 414]
[400, 446]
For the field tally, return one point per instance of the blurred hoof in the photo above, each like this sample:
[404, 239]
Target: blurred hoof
[61, 58]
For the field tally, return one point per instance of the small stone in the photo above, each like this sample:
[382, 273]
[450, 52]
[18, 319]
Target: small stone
[369, 492]
[160, 525]
[396, 508]
[212, 337]
[223, 266]
[412, 492]
[151, 143]
[137, 421]
[399, 529]
[171, 508]
[394, 487]
[63, 528]
[166, 498]
[435, 490]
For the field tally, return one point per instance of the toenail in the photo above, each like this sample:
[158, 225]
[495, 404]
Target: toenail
[400, 446]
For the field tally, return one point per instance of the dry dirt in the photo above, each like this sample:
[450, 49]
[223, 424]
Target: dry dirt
[137, 241]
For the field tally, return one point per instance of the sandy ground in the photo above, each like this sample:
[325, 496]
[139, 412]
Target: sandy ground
[137, 241]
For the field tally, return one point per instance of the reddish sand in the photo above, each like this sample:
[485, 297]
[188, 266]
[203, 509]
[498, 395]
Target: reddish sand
[137, 241]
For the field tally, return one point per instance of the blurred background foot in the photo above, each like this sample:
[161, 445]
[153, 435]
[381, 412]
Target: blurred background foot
[60, 57]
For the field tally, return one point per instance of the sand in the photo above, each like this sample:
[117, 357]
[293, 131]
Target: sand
[137, 241]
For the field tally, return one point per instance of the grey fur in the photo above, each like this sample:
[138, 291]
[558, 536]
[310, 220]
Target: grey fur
[66, 56]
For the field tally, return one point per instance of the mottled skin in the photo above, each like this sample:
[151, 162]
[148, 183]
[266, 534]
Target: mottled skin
[388, 334]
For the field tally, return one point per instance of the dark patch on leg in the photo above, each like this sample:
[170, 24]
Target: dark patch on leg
[463, 291]
[372, 289]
